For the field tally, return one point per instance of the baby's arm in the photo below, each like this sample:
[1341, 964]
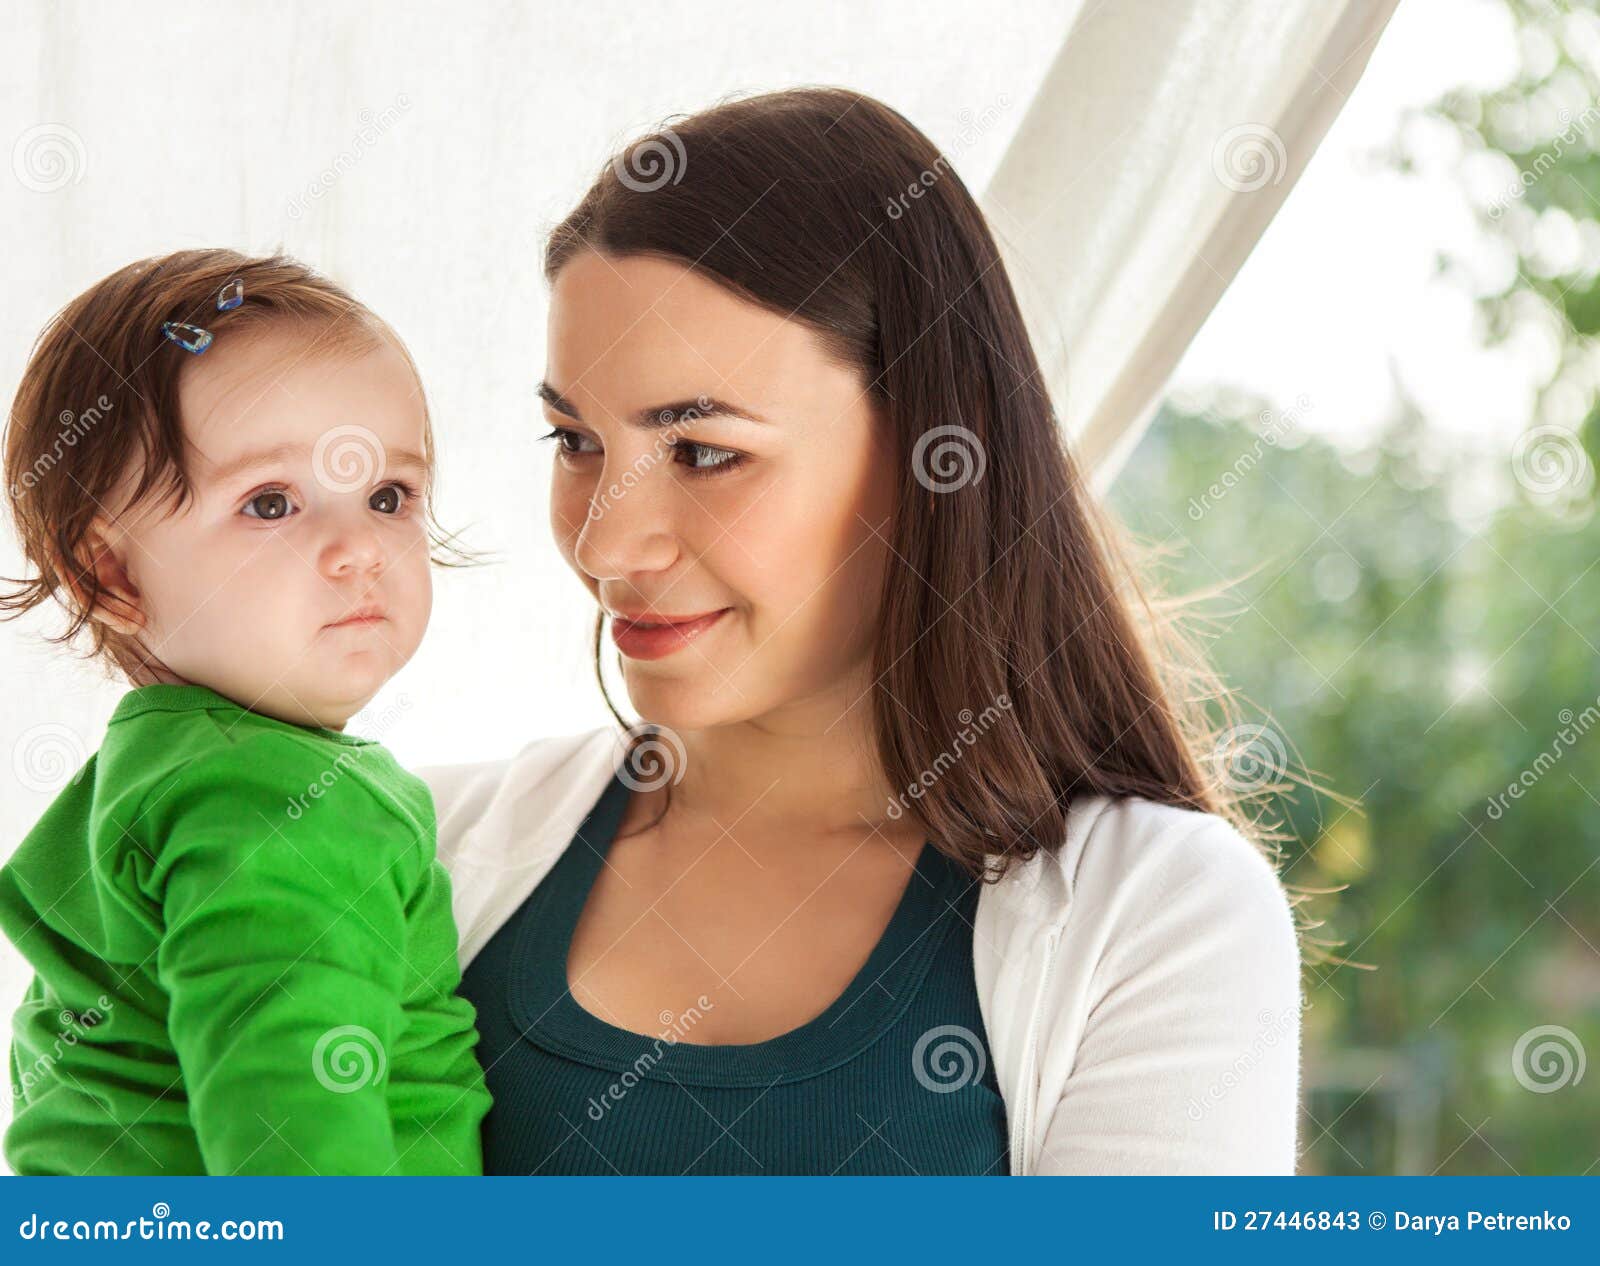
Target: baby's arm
[283, 955]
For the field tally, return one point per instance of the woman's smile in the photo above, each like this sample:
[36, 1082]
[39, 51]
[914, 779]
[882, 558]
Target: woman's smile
[655, 639]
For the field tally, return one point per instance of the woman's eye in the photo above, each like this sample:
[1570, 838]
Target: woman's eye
[268, 505]
[704, 459]
[569, 442]
[390, 499]
[698, 459]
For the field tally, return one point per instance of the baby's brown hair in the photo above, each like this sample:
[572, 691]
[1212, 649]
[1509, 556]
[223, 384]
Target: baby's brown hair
[99, 397]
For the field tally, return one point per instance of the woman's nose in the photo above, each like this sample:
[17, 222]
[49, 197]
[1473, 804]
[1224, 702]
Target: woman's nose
[626, 530]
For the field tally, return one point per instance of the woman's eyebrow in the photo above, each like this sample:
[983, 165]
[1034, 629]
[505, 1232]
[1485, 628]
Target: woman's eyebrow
[657, 416]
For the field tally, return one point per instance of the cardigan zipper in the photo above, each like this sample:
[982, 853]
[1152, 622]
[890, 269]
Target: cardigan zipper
[1021, 1163]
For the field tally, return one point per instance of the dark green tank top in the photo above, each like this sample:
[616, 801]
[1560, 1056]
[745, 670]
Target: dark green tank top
[893, 1078]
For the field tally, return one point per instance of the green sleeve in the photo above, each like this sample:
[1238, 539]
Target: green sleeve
[283, 956]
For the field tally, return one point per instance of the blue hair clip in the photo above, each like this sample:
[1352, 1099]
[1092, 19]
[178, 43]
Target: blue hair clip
[191, 337]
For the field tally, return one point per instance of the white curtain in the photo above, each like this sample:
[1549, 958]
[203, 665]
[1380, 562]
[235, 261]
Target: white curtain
[1132, 152]
[1153, 156]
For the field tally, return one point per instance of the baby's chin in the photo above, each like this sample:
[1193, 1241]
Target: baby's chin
[334, 703]
[334, 692]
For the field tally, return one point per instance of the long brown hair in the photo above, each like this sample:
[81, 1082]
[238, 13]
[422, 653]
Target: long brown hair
[1008, 597]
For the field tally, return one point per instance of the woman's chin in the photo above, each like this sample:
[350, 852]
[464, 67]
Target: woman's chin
[694, 701]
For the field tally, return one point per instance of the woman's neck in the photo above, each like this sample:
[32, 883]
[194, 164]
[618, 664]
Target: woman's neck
[812, 770]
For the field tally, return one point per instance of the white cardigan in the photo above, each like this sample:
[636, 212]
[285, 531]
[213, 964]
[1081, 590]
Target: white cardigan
[1140, 987]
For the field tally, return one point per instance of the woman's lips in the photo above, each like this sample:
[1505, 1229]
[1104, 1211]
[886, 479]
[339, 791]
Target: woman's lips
[654, 641]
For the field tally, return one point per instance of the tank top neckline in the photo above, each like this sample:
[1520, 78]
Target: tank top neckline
[545, 1012]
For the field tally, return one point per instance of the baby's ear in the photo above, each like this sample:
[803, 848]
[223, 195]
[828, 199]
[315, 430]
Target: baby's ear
[115, 599]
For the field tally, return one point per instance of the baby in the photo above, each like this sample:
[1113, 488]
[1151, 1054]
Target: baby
[245, 961]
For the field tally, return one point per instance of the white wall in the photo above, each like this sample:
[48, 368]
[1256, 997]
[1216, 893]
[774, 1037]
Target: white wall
[456, 135]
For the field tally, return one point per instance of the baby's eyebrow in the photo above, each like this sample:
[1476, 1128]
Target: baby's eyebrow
[243, 463]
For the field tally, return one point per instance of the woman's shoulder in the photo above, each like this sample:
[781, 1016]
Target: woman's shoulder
[502, 823]
[511, 795]
[1142, 864]
[463, 791]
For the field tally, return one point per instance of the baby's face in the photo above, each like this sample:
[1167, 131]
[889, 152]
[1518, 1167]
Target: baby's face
[307, 471]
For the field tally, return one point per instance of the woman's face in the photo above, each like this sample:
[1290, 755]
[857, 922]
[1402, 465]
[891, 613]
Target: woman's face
[712, 461]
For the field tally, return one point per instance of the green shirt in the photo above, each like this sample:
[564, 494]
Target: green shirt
[245, 958]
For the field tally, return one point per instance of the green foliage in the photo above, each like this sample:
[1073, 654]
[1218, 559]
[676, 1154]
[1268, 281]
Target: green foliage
[1419, 666]
[1422, 654]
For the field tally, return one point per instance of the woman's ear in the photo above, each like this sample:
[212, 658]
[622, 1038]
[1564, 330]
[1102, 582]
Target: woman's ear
[116, 601]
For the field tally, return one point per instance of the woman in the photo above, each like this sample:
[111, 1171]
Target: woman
[915, 867]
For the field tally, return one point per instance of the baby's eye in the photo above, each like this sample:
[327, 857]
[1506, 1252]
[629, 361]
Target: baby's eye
[391, 498]
[268, 505]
